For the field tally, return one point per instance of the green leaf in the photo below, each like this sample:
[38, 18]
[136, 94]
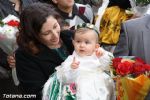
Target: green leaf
[1, 23]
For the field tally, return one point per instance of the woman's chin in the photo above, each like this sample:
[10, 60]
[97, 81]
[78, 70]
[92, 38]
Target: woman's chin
[55, 42]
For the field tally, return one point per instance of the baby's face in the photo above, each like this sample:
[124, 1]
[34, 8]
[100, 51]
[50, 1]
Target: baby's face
[85, 43]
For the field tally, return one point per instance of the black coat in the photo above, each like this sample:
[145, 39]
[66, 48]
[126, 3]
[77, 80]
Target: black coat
[34, 71]
[3, 59]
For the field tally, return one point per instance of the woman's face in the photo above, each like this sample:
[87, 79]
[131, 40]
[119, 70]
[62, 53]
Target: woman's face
[50, 32]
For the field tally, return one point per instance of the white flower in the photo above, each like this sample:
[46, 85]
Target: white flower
[8, 31]
[9, 18]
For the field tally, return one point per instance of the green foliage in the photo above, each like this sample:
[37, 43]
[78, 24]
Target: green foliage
[142, 2]
[1, 23]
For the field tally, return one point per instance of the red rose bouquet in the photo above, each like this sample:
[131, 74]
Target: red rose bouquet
[8, 29]
[132, 76]
[131, 66]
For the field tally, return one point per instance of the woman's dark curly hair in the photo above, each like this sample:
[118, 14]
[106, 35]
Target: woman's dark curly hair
[124, 4]
[31, 20]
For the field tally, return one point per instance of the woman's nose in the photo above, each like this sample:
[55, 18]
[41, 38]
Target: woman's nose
[55, 34]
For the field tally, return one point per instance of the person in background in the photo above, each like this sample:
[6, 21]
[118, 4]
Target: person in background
[74, 13]
[110, 23]
[41, 46]
[95, 4]
[134, 38]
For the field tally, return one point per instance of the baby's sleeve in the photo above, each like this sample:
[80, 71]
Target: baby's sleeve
[65, 73]
[106, 59]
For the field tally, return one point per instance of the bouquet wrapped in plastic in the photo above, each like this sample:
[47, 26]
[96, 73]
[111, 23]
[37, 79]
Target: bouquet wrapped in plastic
[132, 76]
[8, 30]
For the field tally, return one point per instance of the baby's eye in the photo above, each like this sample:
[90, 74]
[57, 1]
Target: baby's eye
[87, 42]
[78, 41]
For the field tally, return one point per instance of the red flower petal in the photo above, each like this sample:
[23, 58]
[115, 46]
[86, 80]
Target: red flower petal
[124, 68]
[116, 62]
[13, 23]
[137, 59]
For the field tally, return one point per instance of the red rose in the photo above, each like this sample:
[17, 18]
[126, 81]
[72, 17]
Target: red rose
[137, 59]
[138, 68]
[116, 62]
[147, 67]
[13, 23]
[124, 68]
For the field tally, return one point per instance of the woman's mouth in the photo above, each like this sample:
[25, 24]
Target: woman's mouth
[55, 40]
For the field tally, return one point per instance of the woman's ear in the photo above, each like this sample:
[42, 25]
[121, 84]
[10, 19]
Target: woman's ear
[54, 1]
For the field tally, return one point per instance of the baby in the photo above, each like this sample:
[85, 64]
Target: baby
[87, 65]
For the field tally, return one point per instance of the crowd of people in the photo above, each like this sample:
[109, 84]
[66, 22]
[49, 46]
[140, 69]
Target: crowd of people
[58, 41]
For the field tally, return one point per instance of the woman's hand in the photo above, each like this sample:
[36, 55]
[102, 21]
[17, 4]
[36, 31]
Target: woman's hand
[11, 61]
[75, 64]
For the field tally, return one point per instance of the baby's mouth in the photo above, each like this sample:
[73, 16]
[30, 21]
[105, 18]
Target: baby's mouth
[81, 50]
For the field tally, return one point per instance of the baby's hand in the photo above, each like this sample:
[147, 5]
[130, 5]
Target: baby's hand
[75, 64]
[99, 52]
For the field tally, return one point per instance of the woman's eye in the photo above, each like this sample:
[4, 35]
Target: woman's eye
[46, 33]
[55, 26]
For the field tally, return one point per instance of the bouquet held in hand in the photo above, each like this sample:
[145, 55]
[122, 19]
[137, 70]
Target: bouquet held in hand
[8, 30]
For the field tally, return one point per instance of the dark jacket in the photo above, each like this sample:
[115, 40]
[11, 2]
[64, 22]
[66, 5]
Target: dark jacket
[3, 59]
[34, 71]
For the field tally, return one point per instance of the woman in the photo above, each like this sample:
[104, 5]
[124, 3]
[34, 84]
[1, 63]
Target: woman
[41, 46]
